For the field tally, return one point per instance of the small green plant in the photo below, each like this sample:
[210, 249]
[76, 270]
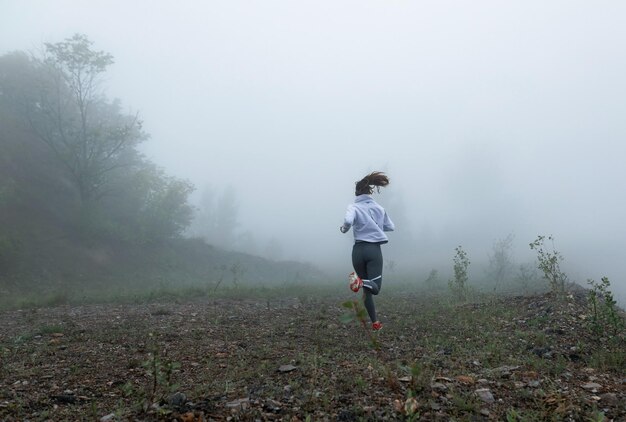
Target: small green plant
[549, 263]
[458, 284]
[161, 371]
[603, 307]
[596, 416]
[50, 329]
[359, 314]
[514, 415]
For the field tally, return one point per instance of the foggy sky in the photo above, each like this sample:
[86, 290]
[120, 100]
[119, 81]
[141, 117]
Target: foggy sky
[490, 117]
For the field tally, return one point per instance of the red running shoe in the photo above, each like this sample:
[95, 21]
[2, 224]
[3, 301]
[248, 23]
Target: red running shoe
[377, 326]
[354, 282]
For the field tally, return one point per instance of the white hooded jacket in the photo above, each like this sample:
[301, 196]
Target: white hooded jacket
[368, 220]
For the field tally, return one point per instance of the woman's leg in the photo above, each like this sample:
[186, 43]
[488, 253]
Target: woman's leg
[368, 301]
[372, 283]
[358, 260]
[374, 263]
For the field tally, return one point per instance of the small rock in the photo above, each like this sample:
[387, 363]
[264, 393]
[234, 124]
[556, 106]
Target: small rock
[287, 368]
[439, 387]
[64, 398]
[108, 417]
[485, 395]
[534, 383]
[272, 406]
[542, 352]
[405, 379]
[397, 405]
[592, 386]
[484, 412]
[410, 406]
[506, 368]
[238, 404]
[609, 399]
[177, 399]
[465, 379]
[519, 384]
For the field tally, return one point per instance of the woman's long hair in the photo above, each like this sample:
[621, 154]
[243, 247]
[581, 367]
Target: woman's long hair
[365, 186]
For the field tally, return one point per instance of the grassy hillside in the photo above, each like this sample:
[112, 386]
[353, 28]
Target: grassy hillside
[63, 269]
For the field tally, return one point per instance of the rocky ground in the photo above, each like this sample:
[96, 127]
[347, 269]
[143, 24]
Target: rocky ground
[516, 359]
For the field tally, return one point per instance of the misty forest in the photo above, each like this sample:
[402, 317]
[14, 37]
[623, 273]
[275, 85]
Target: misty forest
[129, 292]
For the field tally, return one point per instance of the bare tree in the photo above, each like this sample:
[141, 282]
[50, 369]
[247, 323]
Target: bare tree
[89, 135]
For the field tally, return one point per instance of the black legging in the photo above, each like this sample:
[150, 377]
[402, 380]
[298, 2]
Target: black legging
[367, 260]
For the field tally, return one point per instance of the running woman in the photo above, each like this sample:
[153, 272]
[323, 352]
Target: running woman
[369, 222]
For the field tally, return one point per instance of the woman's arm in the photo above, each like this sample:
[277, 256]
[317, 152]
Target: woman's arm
[388, 225]
[348, 220]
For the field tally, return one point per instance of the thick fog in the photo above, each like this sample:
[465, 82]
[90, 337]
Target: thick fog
[491, 118]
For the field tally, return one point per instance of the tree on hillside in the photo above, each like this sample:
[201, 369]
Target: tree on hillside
[64, 107]
[501, 265]
[69, 162]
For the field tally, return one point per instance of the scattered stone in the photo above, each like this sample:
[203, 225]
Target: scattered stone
[465, 379]
[534, 383]
[177, 399]
[609, 399]
[272, 406]
[484, 412]
[439, 387]
[287, 368]
[64, 398]
[397, 405]
[519, 384]
[108, 417]
[405, 379]
[446, 379]
[506, 368]
[410, 406]
[592, 386]
[485, 395]
[238, 404]
[542, 352]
